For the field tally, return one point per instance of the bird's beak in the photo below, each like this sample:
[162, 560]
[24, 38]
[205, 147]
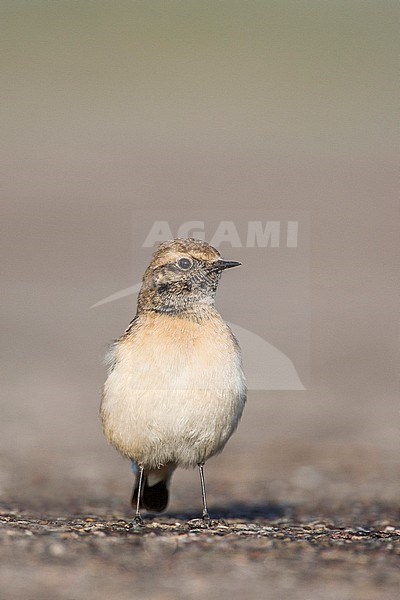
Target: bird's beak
[220, 265]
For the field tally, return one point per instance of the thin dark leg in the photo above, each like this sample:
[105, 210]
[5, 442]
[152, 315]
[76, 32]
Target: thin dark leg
[206, 516]
[138, 519]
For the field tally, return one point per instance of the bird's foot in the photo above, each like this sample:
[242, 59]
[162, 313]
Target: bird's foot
[205, 522]
[136, 523]
[198, 524]
[205, 516]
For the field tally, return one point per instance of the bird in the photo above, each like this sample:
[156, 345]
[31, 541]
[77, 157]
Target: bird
[175, 389]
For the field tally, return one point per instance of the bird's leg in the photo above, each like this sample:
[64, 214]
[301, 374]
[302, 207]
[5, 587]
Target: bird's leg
[138, 519]
[206, 516]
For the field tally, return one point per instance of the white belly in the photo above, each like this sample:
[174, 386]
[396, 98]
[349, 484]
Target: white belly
[176, 392]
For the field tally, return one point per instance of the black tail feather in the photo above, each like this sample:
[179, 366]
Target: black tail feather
[153, 497]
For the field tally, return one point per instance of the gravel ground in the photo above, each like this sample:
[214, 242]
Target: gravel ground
[274, 551]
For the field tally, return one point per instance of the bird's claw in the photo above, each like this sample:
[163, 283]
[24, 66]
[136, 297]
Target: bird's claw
[136, 523]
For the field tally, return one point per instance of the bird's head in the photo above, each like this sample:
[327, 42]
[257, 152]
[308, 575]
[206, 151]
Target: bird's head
[182, 276]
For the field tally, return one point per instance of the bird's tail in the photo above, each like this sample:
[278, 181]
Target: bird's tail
[155, 488]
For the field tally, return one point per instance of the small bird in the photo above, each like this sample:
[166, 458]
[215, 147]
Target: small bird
[175, 390]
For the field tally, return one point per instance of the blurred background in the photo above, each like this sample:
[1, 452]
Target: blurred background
[114, 107]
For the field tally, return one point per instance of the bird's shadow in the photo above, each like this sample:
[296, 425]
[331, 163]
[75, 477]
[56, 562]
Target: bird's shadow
[234, 510]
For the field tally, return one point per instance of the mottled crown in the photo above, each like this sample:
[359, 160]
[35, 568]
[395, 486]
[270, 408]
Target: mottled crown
[171, 250]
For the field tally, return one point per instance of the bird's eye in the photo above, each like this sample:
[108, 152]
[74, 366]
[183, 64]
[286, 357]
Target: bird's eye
[185, 263]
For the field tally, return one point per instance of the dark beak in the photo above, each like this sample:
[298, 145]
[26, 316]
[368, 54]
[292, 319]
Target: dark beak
[220, 265]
